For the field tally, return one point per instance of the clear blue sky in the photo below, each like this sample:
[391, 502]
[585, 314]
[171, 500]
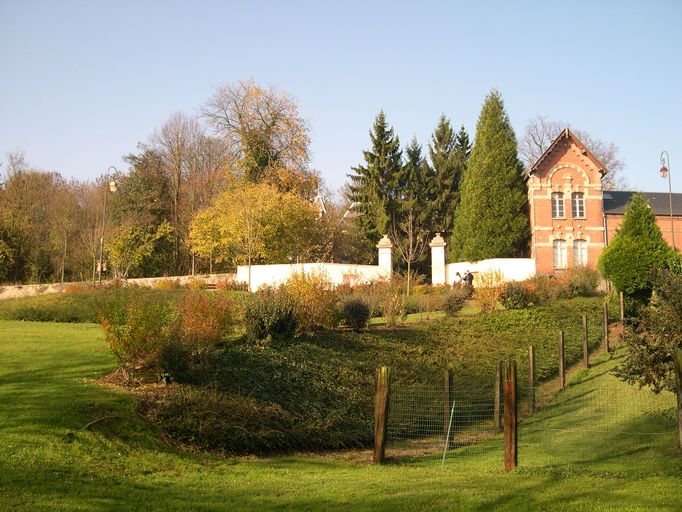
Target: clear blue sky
[83, 82]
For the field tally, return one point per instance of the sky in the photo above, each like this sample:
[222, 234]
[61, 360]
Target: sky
[82, 83]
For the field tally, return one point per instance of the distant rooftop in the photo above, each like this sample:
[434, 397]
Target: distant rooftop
[615, 201]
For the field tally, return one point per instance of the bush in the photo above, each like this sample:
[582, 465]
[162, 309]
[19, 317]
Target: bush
[230, 284]
[137, 331]
[174, 361]
[488, 288]
[355, 313]
[270, 313]
[196, 285]
[453, 301]
[315, 299]
[516, 295]
[205, 319]
[167, 284]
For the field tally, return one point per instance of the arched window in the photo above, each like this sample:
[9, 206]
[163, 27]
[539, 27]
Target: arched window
[558, 205]
[559, 253]
[579, 253]
[578, 205]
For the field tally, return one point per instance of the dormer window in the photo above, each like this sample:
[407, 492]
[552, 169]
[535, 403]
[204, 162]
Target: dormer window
[558, 205]
[578, 205]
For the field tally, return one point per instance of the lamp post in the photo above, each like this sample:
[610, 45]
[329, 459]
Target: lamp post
[111, 188]
[665, 171]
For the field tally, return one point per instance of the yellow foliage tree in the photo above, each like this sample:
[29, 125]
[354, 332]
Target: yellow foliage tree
[255, 223]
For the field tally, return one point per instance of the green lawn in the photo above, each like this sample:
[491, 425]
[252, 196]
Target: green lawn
[49, 462]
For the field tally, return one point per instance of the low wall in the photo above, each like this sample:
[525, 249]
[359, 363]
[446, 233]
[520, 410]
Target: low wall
[337, 273]
[31, 290]
[512, 269]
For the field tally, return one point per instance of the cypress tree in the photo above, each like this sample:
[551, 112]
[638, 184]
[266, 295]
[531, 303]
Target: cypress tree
[637, 248]
[448, 165]
[373, 186]
[492, 217]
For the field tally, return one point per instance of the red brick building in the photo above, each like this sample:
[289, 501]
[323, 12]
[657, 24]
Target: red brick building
[572, 218]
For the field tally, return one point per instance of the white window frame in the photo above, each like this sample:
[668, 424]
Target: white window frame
[578, 205]
[580, 252]
[559, 254]
[558, 210]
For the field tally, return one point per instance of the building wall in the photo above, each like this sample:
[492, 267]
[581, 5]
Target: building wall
[613, 222]
[567, 169]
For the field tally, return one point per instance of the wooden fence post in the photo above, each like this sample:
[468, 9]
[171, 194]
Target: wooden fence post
[381, 396]
[606, 328]
[497, 417]
[678, 391]
[510, 417]
[447, 398]
[562, 360]
[586, 348]
[531, 379]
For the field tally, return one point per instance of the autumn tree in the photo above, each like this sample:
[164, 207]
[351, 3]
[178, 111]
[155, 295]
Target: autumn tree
[492, 218]
[256, 223]
[541, 132]
[264, 129]
[373, 186]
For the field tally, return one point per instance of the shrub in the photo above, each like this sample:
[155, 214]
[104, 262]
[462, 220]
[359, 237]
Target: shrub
[174, 361]
[167, 284]
[230, 284]
[315, 299]
[355, 313]
[453, 301]
[516, 295]
[205, 319]
[488, 287]
[196, 285]
[77, 287]
[270, 313]
[136, 331]
[393, 306]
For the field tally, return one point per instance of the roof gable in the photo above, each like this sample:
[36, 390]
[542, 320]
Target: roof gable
[566, 133]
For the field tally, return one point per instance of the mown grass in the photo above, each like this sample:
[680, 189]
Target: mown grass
[48, 461]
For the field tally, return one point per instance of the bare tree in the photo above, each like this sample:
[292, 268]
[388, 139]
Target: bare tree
[541, 132]
[409, 237]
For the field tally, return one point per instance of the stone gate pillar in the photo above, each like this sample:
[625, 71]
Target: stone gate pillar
[437, 260]
[386, 255]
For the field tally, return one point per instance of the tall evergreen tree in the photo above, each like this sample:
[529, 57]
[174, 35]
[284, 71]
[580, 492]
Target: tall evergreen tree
[462, 144]
[374, 186]
[492, 217]
[448, 164]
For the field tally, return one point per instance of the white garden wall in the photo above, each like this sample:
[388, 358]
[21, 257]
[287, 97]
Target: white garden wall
[337, 273]
[512, 269]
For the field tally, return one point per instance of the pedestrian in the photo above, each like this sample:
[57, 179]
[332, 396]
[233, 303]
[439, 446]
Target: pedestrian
[468, 278]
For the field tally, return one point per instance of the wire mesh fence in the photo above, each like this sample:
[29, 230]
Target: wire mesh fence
[433, 421]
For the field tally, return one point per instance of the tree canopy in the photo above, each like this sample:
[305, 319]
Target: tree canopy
[492, 218]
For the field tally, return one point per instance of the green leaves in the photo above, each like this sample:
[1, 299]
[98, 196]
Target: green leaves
[492, 219]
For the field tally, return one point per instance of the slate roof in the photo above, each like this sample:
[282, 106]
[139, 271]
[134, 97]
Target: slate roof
[616, 201]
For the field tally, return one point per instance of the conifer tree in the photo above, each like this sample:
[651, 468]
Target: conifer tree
[373, 186]
[448, 163]
[637, 248]
[492, 217]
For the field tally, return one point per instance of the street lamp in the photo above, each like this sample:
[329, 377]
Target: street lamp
[112, 188]
[665, 171]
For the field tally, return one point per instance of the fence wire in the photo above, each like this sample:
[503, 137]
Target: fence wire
[428, 421]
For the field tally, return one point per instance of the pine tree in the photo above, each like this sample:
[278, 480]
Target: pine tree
[492, 217]
[637, 248]
[448, 162]
[373, 187]
[462, 144]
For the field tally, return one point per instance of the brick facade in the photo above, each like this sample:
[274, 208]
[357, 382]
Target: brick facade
[569, 224]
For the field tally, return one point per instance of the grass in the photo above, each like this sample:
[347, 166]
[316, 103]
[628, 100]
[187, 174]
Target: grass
[48, 461]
